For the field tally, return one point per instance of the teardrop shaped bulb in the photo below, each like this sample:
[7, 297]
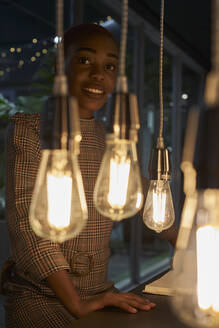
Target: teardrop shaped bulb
[158, 211]
[118, 190]
[58, 209]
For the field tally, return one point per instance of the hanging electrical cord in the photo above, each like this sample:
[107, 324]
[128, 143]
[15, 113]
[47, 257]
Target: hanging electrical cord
[60, 82]
[160, 139]
[118, 190]
[215, 38]
[53, 214]
[159, 212]
[59, 20]
[122, 84]
[212, 81]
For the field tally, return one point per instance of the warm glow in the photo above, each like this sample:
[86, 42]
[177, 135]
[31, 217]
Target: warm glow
[118, 185]
[159, 206]
[59, 200]
[158, 211]
[139, 200]
[208, 267]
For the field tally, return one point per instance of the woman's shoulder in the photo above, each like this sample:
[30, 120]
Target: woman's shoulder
[29, 120]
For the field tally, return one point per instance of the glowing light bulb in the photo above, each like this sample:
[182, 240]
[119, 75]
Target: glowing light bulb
[196, 284]
[58, 210]
[207, 243]
[119, 177]
[118, 190]
[158, 212]
[59, 199]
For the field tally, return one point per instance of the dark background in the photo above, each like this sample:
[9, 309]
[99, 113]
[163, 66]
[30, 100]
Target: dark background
[187, 22]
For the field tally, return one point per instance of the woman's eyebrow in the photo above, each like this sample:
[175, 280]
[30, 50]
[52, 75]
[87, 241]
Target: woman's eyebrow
[94, 51]
[85, 49]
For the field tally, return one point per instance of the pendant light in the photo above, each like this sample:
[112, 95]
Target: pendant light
[158, 211]
[58, 209]
[196, 302]
[118, 190]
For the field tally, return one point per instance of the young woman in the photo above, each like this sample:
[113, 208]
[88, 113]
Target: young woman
[51, 285]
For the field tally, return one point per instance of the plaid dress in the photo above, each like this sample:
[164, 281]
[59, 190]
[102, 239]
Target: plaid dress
[30, 302]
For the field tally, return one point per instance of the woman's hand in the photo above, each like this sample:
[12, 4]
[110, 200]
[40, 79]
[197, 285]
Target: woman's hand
[128, 302]
[62, 285]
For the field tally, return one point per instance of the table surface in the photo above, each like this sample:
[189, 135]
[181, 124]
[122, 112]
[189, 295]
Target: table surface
[159, 317]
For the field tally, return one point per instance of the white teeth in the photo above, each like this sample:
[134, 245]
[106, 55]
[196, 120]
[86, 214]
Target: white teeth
[97, 91]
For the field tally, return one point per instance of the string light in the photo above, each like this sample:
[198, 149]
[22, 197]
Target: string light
[16, 50]
[185, 96]
[56, 39]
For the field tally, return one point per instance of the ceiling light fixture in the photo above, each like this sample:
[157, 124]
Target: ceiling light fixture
[58, 209]
[158, 211]
[118, 190]
[196, 299]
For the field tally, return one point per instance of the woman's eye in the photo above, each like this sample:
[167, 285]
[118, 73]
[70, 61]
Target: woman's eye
[84, 60]
[110, 67]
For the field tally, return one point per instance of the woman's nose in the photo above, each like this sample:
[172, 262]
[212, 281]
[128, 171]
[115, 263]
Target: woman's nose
[97, 73]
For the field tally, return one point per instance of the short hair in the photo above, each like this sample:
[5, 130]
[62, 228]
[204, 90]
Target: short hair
[75, 32]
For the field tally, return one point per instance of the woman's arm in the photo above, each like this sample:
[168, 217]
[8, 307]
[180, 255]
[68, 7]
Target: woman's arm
[61, 283]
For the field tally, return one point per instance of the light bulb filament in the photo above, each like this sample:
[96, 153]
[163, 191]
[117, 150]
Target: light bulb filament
[159, 206]
[59, 200]
[119, 179]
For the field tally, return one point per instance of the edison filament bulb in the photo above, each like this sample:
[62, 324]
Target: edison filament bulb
[58, 210]
[118, 190]
[196, 299]
[158, 211]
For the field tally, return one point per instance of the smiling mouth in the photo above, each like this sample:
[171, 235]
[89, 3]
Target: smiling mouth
[93, 91]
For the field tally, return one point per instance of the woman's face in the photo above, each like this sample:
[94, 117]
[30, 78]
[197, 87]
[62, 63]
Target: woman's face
[92, 72]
